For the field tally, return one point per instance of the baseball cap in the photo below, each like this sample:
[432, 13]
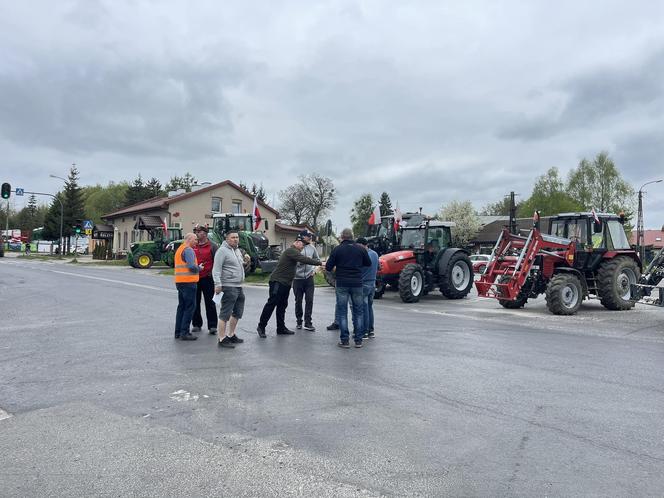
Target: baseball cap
[200, 228]
[305, 233]
[362, 240]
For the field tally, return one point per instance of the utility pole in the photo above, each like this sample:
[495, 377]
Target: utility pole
[514, 229]
[640, 232]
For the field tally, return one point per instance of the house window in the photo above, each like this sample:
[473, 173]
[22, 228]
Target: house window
[133, 236]
[216, 205]
[237, 206]
[124, 240]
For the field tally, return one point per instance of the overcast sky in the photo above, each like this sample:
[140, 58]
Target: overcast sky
[430, 101]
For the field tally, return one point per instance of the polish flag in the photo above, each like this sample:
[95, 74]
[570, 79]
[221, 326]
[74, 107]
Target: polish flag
[397, 218]
[256, 214]
[165, 227]
[374, 219]
[594, 215]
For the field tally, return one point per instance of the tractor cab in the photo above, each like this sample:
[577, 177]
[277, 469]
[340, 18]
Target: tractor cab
[386, 237]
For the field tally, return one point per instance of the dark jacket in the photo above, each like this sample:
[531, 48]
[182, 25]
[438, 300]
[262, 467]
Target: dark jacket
[284, 273]
[349, 259]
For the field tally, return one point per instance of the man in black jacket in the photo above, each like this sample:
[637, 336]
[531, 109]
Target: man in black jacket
[349, 259]
[281, 280]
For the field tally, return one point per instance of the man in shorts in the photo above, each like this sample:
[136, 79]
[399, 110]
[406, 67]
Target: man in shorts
[228, 275]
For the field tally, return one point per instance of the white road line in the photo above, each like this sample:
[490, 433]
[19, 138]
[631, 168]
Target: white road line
[130, 284]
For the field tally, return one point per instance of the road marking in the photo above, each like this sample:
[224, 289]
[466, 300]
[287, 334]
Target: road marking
[4, 415]
[130, 284]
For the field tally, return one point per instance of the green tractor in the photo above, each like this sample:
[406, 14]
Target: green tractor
[159, 248]
[254, 243]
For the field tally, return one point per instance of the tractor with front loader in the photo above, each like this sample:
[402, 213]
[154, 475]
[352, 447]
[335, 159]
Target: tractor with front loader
[583, 255]
[426, 261]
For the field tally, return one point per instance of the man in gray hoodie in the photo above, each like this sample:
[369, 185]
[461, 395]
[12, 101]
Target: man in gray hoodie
[228, 275]
[303, 283]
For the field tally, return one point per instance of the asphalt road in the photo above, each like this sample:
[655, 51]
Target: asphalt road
[451, 399]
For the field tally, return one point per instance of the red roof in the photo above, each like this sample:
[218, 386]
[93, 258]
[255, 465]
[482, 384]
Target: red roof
[163, 202]
[653, 238]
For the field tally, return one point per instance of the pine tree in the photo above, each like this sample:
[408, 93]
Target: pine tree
[359, 215]
[153, 188]
[137, 192]
[73, 203]
[52, 220]
[385, 204]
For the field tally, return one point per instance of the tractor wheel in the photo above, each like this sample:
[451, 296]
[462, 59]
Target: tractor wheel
[521, 298]
[458, 278]
[613, 280]
[143, 260]
[564, 294]
[411, 283]
[330, 278]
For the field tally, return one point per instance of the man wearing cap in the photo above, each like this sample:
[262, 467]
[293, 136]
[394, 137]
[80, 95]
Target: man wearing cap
[368, 288]
[281, 280]
[303, 283]
[205, 251]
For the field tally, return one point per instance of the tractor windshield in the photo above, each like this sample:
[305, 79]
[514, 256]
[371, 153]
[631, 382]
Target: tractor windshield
[439, 238]
[617, 238]
[575, 229]
[242, 223]
[412, 238]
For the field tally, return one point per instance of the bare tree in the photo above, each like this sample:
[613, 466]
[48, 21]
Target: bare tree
[321, 197]
[293, 204]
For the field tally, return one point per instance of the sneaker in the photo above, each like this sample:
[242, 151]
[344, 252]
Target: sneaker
[235, 339]
[299, 325]
[177, 335]
[226, 342]
[371, 334]
[212, 331]
[261, 331]
[310, 327]
[195, 329]
[366, 335]
[358, 344]
[333, 326]
[344, 345]
[188, 337]
[285, 332]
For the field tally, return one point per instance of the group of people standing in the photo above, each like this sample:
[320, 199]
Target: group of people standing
[203, 271]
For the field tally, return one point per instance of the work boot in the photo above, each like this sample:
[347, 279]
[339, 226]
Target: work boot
[261, 331]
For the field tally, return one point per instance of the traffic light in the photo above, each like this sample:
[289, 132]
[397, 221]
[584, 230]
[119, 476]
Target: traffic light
[6, 190]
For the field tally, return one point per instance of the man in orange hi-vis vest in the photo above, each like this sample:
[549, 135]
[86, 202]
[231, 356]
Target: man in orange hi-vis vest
[186, 278]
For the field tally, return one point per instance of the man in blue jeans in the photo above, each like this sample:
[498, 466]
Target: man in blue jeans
[349, 259]
[368, 288]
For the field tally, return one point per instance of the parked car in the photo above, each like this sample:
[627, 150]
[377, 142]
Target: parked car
[479, 262]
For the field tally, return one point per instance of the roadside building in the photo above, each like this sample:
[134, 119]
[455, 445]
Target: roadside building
[186, 209]
[491, 228]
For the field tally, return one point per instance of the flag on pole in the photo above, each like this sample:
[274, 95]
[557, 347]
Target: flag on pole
[374, 219]
[397, 218]
[165, 227]
[255, 212]
[594, 215]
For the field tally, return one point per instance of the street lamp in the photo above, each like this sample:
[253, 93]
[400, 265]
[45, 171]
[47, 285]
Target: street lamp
[62, 212]
[640, 233]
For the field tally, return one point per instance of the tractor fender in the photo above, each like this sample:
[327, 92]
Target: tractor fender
[582, 279]
[444, 258]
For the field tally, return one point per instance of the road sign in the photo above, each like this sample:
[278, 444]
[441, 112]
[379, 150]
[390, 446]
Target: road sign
[88, 231]
[19, 191]
[87, 225]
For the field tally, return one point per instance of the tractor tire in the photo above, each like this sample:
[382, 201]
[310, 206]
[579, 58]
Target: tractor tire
[521, 298]
[330, 278]
[411, 283]
[143, 260]
[564, 294]
[613, 282]
[458, 278]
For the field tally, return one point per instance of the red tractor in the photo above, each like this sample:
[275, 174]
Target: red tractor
[583, 255]
[426, 261]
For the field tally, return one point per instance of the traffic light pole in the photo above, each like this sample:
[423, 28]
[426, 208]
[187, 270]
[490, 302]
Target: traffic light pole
[62, 215]
[7, 226]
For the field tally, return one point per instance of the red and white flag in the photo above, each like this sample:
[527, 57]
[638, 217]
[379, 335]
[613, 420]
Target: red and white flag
[256, 214]
[397, 218]
[594, 215]
[165, 226]
[374, 219]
